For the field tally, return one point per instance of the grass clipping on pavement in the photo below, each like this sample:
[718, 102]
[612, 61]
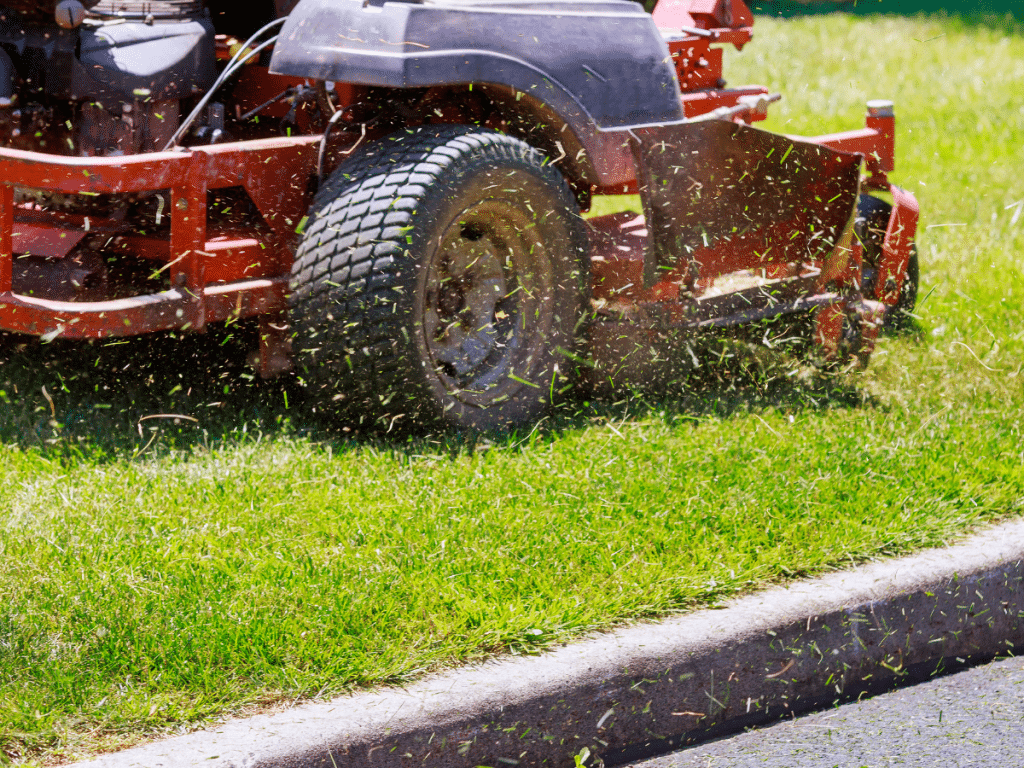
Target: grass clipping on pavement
[179, 544]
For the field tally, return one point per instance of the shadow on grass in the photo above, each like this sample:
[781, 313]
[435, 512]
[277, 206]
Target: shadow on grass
[733, 377]
[1006, 16]
[113, 397]
[124, 398]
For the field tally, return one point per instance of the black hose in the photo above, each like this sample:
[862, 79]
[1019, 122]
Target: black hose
[323, 146]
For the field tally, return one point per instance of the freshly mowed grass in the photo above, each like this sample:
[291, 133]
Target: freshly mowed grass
[179, 541]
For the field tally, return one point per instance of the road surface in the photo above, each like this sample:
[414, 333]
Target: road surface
[972, 718]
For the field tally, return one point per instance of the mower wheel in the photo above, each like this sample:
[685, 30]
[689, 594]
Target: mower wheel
[439, 281]
[869, 227]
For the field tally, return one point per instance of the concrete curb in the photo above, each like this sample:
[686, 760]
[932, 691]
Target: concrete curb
[619, 694]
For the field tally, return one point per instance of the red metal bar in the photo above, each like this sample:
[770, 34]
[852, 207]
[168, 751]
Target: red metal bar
[75, 175]
[828, 329]
[246, 299]
[140, 314]
[897, 245]
[872, 317]
[275, 352]
[232, 165]
[228, 255]
[702, 102]
[74, 320]
[188, 236]
[882, 118]
[877, 142]
[275, 173]
[863, 140]
[239, 162]
[6, 237]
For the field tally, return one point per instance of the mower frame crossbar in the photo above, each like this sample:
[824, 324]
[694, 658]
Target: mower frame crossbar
[276, 174]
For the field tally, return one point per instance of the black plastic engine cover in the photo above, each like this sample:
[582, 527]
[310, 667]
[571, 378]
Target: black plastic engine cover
[168, 60]
[113, 63]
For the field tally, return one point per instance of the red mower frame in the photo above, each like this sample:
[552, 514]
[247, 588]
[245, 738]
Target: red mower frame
[223, 273]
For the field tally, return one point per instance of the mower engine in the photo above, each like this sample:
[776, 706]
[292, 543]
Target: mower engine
[100, 77]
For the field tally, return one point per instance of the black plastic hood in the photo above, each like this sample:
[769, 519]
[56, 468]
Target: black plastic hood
[598, 63]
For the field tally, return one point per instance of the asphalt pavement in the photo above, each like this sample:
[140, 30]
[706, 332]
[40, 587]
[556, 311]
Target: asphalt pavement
[652, 688]
[974, 718]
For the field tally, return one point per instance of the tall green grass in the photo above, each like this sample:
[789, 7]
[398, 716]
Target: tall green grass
[179, 541]
[985, 11]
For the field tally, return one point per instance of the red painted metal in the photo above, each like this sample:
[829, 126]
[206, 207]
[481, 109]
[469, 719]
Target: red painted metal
[139, 314]
[703, 102]
[49, 242]
[832, 284]
[698, 65]
[618, 243]
[875, 145]
[274, 355]
[828, 329]
[694, 105]
[872, 318]
[276, 174]
[719, 15]
[6, 237]
[897, 245]
[881, 158]
[211, 273]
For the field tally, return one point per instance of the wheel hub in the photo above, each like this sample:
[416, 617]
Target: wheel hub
[464, 318]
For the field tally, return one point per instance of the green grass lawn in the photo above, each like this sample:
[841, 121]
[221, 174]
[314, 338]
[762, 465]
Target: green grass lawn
[179, 541]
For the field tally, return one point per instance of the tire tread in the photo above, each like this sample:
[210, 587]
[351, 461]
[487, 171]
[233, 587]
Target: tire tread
[352, 268]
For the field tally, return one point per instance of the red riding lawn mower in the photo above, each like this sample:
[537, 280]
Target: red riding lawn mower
[394, 189]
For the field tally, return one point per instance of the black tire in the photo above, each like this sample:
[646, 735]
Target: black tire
[869, 227]
[440, 280]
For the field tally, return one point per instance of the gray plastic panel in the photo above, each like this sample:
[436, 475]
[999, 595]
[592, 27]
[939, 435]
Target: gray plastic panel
[598, 63]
